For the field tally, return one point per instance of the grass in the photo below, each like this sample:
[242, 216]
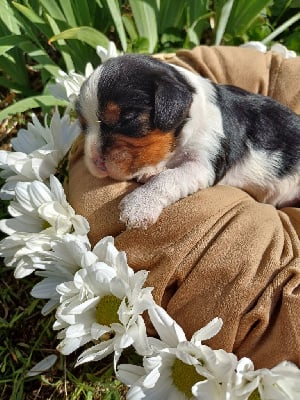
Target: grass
[26, 338]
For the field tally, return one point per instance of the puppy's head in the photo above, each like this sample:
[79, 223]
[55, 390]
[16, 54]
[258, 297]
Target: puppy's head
[131, 109]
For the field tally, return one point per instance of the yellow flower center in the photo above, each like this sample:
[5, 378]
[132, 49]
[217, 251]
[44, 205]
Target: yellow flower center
[185, 376]
[254, 395]
[45, 225]
[107, 310]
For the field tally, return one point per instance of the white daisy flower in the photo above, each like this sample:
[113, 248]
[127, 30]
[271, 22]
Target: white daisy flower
[67, 86]
[69, 254]
[279, 383]
[103, 304]
[178, 366]
[259, 46]
[38, 151]
[59, 135]
[241, 387]
[105, 54]
[276, 48]
[283, 50]
[18, 248]
[40, 214]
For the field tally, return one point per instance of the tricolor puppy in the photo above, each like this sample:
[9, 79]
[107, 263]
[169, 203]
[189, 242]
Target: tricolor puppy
[177, 132]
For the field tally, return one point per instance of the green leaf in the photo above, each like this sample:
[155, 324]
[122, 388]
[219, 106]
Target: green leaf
[281, 28]
[130, 27]
[53, 9]
[223, 11]
[8, 18]
[198, 14]
[34, 18]
[14, 65]
[141, 45]
[8, 42]
[115, 11]
[84, 33]
[243, 14]
[40, 56]
[13, 86]
[295, 4]
[292, 42]
[29, 103]
[171, 35]
[170, 16]
[65, 54]
[144, 13]
[67, 9]
[84, 12]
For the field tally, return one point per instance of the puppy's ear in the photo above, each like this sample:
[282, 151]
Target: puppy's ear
[172, 102]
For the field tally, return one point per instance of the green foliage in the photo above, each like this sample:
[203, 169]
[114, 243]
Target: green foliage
[37, 101]
[39, 37]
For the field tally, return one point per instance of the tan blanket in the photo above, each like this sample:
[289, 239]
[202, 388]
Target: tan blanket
[217, 252]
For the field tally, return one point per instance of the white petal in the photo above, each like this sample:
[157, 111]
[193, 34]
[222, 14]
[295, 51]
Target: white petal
[98, 330]
[42, 366]
[43, 168]
[57, 189]
[39, 193]
[88, 70]
[279, 48]
[87, 259]
[208, 331]
[67, 346]
[58, 91]
[81, 225]
[24, 223]
[23, 197]
[100, 248]
[7, 191]
[50, 306]
[85, 306]
[96, 353]
[208, 389]
[46, 288]
[77, 330]
[129, 374]
[256, 45]
[168, 329]
[126, 340]
[151, 379]
[141, 343]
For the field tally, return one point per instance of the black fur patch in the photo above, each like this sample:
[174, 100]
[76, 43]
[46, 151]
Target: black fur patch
[259, 122]
[143, 86]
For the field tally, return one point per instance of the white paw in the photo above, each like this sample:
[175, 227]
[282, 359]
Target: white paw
[139, 210]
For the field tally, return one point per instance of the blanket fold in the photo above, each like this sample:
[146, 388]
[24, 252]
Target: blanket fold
[268, 73]
[217, 252]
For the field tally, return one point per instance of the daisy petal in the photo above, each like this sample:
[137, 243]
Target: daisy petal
[169, 331]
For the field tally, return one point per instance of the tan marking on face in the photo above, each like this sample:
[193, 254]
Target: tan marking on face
[128, 155]
[111, 113]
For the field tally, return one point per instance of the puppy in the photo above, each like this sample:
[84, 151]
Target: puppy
[177, 132]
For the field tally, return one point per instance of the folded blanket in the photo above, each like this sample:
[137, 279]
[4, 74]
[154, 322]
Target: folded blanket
[217, 253]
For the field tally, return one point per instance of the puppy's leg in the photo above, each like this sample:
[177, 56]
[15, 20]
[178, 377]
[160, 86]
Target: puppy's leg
[142, 207]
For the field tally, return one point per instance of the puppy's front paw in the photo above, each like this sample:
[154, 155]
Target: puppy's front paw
[137, 210]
